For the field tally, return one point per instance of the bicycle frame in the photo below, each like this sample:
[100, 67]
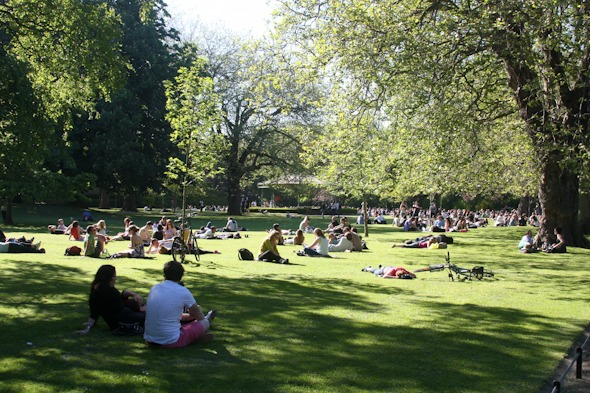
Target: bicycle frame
[460, 273]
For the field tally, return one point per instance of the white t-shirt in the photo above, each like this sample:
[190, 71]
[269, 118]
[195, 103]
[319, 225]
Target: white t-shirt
[165, 304]
[343, 245]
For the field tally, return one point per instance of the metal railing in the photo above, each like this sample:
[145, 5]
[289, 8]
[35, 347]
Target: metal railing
[578, 361]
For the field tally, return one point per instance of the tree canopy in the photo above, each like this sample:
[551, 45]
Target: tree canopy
[486, 59]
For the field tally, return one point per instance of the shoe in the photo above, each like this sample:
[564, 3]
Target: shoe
[216, 252]
[205, 338]
[211, 315]
[42, 251]
[284, 261]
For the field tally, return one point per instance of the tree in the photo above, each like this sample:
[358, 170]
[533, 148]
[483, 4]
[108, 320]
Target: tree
[54, 56]
[192, 112]
[531, 56]
[127, 145]
[264, 105]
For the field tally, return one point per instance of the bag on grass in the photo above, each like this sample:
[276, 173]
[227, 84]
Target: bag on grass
[73, 251]
[245, 255]
[128, 329]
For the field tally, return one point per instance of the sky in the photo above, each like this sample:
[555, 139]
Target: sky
[240, 16]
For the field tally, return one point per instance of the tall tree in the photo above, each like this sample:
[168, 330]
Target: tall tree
[264, 106]
[127, 144]
[55, 56]
[534, 53]
[192, 112]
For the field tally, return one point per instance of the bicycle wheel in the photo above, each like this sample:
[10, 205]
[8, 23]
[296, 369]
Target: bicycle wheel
[195, 248]
[178, 250]
[431, 268]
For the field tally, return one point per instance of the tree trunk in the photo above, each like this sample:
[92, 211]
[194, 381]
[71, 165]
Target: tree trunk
[234, 201]
[365, 217]
[104, 202]
[129, 204]
[560, 200]
[584, 217]
[524, 205]
[234, 192]
[7, 212]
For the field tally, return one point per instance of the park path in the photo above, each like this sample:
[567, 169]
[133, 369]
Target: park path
[571, 384]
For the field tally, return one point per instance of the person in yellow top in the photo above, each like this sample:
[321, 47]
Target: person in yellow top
[268, 249]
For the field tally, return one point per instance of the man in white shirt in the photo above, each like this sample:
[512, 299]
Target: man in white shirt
[344, 243]
[165, 311]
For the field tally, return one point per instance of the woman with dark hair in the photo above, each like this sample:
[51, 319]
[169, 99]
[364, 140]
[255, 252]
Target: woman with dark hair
[559, 246]
[113, 306]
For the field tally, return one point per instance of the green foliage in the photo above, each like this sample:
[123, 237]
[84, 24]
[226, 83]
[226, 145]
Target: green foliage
[55, 56]
[192, 112]
[127, 144]
[265, 104]
[70, 48]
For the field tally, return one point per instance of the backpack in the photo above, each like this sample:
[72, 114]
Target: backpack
[73, 251]
[245, 255]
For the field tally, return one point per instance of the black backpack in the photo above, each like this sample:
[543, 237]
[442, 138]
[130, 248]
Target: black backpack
[245, 255]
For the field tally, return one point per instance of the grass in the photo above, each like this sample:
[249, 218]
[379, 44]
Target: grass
[316, 325]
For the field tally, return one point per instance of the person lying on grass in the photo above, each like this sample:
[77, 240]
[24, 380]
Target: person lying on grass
[19, 246]
[113, 306]
[389, 272]
[165, 311]
[268, 249]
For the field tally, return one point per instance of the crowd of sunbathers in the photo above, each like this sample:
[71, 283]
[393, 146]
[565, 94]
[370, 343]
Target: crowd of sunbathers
[339, 236]
[157, 236]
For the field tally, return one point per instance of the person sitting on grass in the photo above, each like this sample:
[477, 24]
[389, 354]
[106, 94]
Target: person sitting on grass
[304, 225]
[277, 228]
[144, 233]
[319, 247]
[230, 226]
[559, 245]
[389, 272]
[527, 243]
[268, 249]
[357, 242]
[75, 232]
[113, 306]
[344, 243]
[165, 311]
[136, 249]
[58, 229]
[297, 240]
[93, 242]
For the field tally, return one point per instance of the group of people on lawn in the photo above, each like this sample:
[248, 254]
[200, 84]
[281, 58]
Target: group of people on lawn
[341, 237]
[171, 317]
[158, 237]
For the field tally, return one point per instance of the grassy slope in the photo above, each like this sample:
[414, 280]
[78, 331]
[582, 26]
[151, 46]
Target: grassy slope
[314, 325]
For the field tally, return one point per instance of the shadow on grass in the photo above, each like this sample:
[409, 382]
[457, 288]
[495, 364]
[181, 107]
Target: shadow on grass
[272, 335]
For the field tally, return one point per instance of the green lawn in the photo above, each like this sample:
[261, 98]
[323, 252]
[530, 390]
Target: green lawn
[316, 325]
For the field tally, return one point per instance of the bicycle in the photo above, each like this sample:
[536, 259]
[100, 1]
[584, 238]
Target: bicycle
[455, 271]
[185, 244]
